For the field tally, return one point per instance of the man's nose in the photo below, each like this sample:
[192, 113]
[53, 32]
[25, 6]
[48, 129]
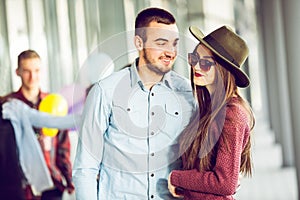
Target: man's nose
[171, 51]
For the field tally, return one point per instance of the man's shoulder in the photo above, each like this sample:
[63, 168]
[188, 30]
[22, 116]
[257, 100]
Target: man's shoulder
[180, 82]
[112, 78]
[14, 95]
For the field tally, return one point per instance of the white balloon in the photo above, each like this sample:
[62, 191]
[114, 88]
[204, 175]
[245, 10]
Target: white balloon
[97, 66]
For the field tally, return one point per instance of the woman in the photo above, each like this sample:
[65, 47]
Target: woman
[216, 144]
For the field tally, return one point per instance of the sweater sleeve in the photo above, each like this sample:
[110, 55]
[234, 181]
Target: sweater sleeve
[223, 178]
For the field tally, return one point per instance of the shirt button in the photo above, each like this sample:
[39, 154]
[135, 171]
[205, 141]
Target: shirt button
[152, 175]
[152, 94]
[152, 113]
[128, 109]
[152, 196]
[152, 133]
[152, 154]
[176, 113]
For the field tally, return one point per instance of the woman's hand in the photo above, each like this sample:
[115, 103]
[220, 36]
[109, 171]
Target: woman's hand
[172, 188]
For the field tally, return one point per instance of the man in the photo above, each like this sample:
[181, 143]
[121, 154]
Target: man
[56, 149]
[10, 171]
[132, 119]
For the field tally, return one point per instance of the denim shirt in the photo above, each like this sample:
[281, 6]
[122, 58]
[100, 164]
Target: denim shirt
[129, 136]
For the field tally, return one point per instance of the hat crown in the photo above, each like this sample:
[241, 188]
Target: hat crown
[228, 44]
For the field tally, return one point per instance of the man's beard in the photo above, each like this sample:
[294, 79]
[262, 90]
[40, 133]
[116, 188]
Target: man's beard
[153, 66]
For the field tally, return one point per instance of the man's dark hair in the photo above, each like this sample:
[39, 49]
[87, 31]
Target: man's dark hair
[27, 54]
[145, 17]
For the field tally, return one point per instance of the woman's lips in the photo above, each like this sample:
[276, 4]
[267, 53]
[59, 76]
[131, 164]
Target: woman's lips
[198, 75]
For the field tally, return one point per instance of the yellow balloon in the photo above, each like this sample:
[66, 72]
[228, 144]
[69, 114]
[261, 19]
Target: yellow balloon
[54, 104]
[51, 132]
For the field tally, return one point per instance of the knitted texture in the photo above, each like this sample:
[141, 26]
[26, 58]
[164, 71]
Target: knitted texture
[221, 182]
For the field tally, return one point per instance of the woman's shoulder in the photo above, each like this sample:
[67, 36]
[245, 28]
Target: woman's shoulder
[235, 110]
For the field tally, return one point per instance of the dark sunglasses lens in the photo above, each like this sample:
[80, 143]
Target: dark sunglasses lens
[193, 59]
[205, 65]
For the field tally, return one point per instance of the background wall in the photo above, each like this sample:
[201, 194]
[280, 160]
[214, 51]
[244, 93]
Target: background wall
[69, 34]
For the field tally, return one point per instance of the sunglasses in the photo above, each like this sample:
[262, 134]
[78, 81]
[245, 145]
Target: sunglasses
[205, 65]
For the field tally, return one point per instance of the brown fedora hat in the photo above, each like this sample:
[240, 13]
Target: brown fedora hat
[227, 45]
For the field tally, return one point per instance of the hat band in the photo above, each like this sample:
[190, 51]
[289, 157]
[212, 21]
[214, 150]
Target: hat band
[214, 43]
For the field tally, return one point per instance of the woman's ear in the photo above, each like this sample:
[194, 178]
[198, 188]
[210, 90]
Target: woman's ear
[138, 42]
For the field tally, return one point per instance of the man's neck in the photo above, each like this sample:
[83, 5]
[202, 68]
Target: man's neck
[31, 95]
[148, 77]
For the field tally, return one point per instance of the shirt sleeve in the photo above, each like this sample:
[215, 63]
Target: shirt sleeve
[90, 144]
[14, 108]
[41, 119]
[223, 178]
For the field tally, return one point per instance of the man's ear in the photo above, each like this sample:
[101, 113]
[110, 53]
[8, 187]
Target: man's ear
[138, 42]
[18, 72]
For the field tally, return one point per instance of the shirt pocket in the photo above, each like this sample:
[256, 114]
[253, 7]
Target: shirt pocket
[129, 119]
[173, 121]
[173, 110]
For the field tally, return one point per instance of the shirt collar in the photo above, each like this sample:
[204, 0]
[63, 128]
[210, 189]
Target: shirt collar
[20, 95]
[135, 79]
[167, 80]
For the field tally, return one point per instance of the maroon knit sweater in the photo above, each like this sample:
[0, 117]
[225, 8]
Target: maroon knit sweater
[221, 182]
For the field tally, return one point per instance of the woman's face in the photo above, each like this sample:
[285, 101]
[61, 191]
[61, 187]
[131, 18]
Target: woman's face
[203, 65]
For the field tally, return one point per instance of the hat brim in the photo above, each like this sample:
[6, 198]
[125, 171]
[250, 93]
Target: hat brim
[241, 79]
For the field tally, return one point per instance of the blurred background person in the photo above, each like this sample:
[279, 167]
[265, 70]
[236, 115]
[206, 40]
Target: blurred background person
[10, 171]
[56, 149]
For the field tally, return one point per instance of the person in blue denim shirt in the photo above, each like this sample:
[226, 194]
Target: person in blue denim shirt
[10, 171]
[30, 157]
[132, 119]
[22, 148]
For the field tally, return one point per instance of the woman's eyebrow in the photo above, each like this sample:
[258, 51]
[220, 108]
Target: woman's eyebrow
[208, 57]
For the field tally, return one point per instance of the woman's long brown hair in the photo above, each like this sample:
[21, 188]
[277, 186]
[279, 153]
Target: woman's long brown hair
[197, 144]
